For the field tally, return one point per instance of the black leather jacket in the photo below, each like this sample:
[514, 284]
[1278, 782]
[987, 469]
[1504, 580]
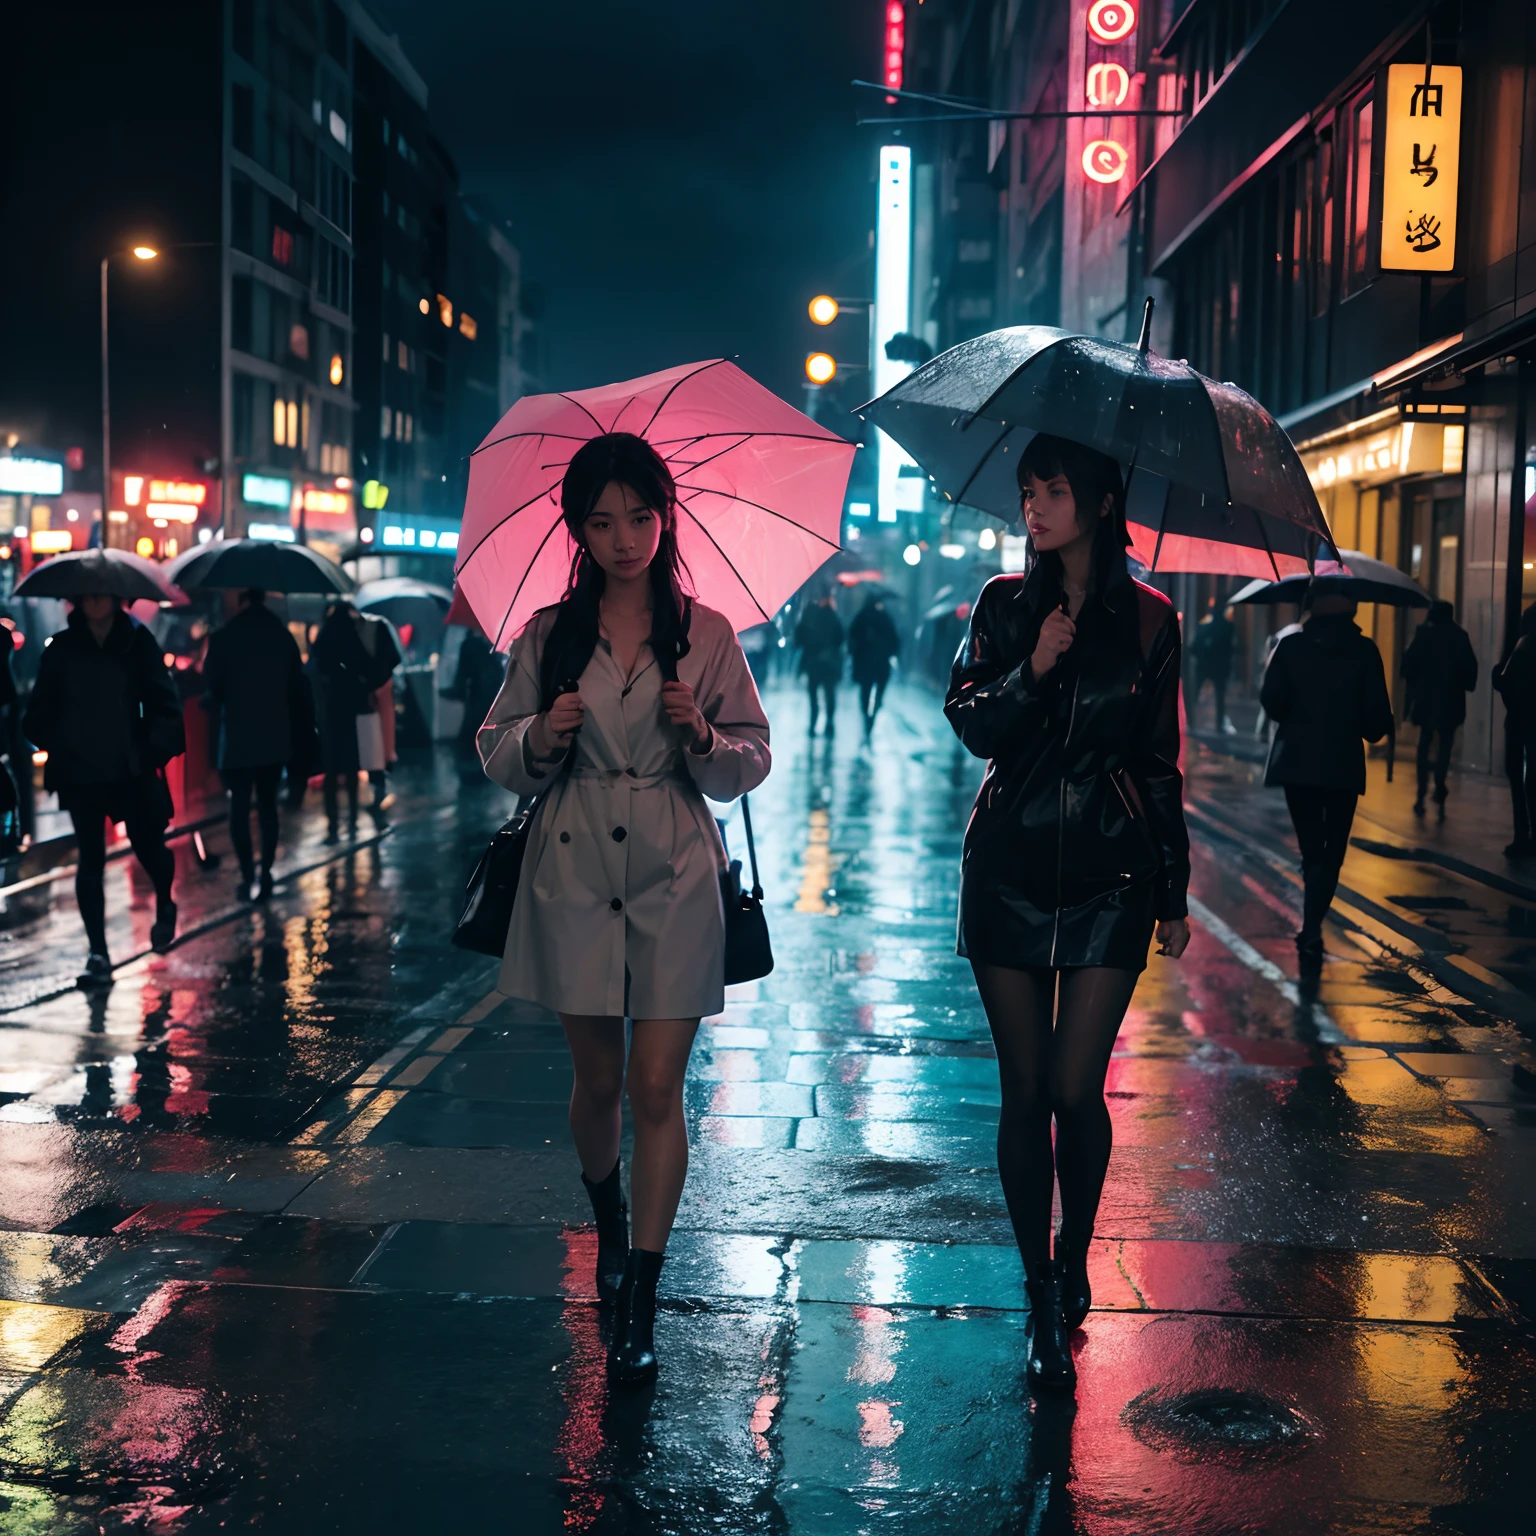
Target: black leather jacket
[1077, 844]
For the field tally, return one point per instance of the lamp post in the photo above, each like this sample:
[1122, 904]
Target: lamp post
[142, 253]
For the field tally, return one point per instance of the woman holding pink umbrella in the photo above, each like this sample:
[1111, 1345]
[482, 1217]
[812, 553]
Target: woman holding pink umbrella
[625, 703]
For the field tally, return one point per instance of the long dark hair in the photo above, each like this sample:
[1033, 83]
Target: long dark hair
[1094, 478]
[631, 461]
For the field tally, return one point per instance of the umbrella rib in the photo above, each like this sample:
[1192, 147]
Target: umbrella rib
[987, 404]
[580, 407]
[699, 437]
[469, 554]
[981, 464]
[737, 574]
[569, 437]
[704, 490]
[523, 581]
[661, 404]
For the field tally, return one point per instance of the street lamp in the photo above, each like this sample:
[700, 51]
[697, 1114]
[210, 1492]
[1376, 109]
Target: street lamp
[139, 253]
[821, 368]
[142, 253]
[824, 309]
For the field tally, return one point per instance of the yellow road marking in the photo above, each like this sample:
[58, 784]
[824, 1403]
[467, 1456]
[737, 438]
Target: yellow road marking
[487, 1005]
[384, 1101]
[416, 1072]
[450, 1040]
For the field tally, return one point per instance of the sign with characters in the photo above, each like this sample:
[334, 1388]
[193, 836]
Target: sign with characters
[1421, 168]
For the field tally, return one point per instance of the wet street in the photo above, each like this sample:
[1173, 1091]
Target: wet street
[294, 1240]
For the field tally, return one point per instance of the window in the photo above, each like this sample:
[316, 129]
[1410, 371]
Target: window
[242, 412]
[242, 215]
[282, 246]
[242, 32]
[333, 190]
[386, 420]
[335, 33]
[386, 346]
[298, 341]
[285, 423]
[1358, 270]
[240, 317]
[1322, 253]
[467, 326]
[243, 120]
[404, 358]
[334, 276]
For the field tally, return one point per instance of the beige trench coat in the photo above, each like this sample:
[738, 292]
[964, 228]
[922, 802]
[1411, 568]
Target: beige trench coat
[622, 871]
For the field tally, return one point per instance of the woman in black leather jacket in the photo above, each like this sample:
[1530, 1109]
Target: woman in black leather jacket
[1069, 684]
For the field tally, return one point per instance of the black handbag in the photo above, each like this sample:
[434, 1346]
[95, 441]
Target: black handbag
[748, 952]
[492, 888]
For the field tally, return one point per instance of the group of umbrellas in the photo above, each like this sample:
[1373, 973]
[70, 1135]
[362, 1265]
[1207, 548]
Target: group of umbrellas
[1214, 485]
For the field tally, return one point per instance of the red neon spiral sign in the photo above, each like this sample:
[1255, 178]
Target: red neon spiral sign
[1111, 20]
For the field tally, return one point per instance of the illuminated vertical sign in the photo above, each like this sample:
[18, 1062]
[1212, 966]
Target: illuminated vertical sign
[895, 44]
[893, 303]
[1110, 24]
[1421, 168]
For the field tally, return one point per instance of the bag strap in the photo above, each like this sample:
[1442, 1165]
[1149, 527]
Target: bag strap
[746, 820]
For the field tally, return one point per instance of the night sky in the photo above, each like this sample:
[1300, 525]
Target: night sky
[680, 176]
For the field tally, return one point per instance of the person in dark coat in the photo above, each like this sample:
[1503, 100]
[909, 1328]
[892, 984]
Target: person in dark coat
[1068, 683]
[1214, 641]
[378, 637]
[819, 635]
[1326, 690]
[872, 646]
[1515, 680]
[477, 679]
[1440, 669]
[343, 673]
[105, 711]
[254, 685]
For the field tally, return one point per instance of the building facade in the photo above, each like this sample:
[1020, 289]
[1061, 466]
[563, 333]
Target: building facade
[321, 334]
[1333, 207]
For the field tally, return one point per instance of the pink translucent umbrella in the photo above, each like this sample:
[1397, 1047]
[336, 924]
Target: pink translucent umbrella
[760, 492]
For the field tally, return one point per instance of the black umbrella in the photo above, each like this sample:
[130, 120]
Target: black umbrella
[259, 563]
[113, 571]
[1216, 484]
[1358, 576]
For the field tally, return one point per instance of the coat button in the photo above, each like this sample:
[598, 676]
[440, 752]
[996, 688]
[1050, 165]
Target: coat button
[619, 834]
[616, 904]
[565, 837]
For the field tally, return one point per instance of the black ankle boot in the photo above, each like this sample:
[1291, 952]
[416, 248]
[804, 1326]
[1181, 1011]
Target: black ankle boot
[612, 1216]
[1076, 1296]
[1050, 1352]
[632, 1354]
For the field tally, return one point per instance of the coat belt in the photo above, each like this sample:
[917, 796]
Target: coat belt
[626, 777]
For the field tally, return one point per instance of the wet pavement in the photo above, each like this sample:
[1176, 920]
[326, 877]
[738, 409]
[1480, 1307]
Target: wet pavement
[293, 1239]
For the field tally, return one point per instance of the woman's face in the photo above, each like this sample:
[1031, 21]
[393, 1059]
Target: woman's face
[622, 533]
[1050, 512]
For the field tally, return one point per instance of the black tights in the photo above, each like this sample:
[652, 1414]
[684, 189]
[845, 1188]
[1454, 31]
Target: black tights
[1055, 1072]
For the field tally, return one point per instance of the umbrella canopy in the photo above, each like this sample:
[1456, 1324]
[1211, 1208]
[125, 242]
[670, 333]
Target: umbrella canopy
[388, 590]
[260, 563]
[100, 570]
[760, 492]
[1355, 575]
[1215, 486]
[461, 614]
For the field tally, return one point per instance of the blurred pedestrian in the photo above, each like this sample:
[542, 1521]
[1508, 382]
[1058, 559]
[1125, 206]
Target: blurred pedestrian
[1440, 670]
[624, 705]
[873, 645]
[819, 637]
[105, 711]
[1060, 894]
[1326, 690]
[1515, 681]
[343, 672]
[10, 793]
[1215, 639]
[255, 688]
[477, 678]
[383, 648]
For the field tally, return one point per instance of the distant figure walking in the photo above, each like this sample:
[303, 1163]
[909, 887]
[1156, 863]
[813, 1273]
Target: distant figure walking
[105, 711]
[1440, 669]
[1214, 641]
[819, 635]
[1326, 690]
[378, 637]
[1516, 683]
[344, 689]
[873, 645]
[255, 687]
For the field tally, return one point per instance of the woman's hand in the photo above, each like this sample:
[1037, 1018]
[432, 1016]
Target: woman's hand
[1173, 937]
[677, 700]
[553, 730]
[1056, 636]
